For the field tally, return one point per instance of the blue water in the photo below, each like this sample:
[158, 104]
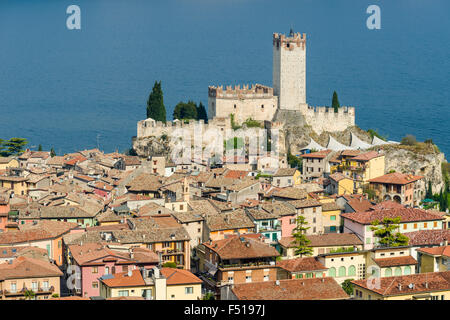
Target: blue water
[78, 89]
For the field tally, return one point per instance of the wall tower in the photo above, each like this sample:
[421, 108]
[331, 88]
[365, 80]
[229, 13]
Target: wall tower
[289, 70]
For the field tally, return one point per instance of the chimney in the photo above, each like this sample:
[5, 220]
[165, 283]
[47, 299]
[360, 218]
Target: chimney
[426, 285]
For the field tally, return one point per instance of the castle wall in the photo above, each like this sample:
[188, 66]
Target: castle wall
[325, 119]
[289, 70]
[257, 103]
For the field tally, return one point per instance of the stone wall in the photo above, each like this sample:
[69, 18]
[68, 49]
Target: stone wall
[256, 102]
[325, 119]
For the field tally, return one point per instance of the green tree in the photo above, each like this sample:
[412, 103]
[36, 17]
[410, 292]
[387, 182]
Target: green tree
[170, 264]
[347, 285]
[201, 113]
[301, 240]
[335, 102]
[55, 295]
[184, 111]
[208, 296]
[52, 152]
[294, 161]
[375, 133]
[155, 104]
[40, 147]
[409, 140]
[29, 294]
[14, 146]
[387, 234]
[429, 191]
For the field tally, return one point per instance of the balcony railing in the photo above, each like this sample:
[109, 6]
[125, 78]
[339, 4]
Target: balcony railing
[246, 265]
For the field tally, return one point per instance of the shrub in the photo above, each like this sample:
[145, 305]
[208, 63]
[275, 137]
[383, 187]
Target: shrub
[409, 140]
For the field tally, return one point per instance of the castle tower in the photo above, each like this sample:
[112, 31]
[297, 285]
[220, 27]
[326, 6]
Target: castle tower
[289, 70]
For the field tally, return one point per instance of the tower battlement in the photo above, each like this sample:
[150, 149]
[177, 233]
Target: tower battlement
[289, 42]
[236, 92]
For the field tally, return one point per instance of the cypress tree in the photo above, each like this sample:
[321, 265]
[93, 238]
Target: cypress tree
[40, 147]
[429, 191]
[52, 152]
[335, 102]
[155, 104]
[201, 113]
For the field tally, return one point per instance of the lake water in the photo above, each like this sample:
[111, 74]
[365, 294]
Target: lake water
[76, 89]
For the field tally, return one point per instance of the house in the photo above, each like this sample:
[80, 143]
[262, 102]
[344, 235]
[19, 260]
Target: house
[84, 216]
[301, 268]
[286, 177]
[331, 216]
[411, 219]
[8, 162]
[399, 187]
[339, 184]
[239, 259]
[354, 203]
[28, 274]
[363, 167]
[288, 193]
[145, 184]
[14, 182]
[323, 243]
[434, 259]
[266, 223]
[43, 234]
[242, 190]
[153, 284]
[311, 209]
[315, 164]
[182, 284]
[292, 289]
[427, 239]
[344, 265]
[420, 286]
[388, 262]
[218, 225]
[94, 260]
[157, 165]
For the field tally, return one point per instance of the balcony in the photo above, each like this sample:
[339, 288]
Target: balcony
[172, 251]
[247, 265]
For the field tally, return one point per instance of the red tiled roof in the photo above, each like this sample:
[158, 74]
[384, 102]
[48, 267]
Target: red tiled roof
[396, 178]
[410, 284]
[292, 289]
[318, 155]
[367, 156]
[436, 251]
[179, 276]
[25, 267]
[122, 279]
[405, 214]
[428, 237]
[395, 261]
[301, 264]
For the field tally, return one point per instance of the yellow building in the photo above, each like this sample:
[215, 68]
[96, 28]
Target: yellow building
[8, 162]
[16, 184]
[24, 273]
[363, 167]
[153, 284]
[434, 259]
[420, 286]
[340, 184]
[388, 262]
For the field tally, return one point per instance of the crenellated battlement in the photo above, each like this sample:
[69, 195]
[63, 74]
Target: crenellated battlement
[237, 92]
[325, 119]
[289, 42]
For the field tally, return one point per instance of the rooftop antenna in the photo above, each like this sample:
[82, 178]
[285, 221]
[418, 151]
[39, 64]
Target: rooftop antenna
[291, 31]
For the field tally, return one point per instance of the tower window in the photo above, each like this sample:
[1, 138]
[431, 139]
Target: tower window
[235, 106]
[262, 106]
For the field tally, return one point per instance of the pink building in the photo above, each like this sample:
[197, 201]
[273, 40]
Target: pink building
[95, 260]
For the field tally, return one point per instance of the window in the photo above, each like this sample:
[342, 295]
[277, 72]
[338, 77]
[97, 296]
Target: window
[248, 278]
[59, 244]
[94, 284]
[352, 270]
[292, 221]
[407, 270]
[398, 271]
[314, 210]
[266, 278]
[405, 226]
[123, 293]
[435, 224]
[34, 286]
[13, 287]
[332, 272]
[333, 218]
[189, 290]
[230, 280]
[94, 269]
[125, 269]
[388, 272]
[342, 271]
[166, 244]
[106, 270]
[415, 225]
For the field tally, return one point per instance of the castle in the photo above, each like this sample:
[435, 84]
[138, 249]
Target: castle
[286, 100]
